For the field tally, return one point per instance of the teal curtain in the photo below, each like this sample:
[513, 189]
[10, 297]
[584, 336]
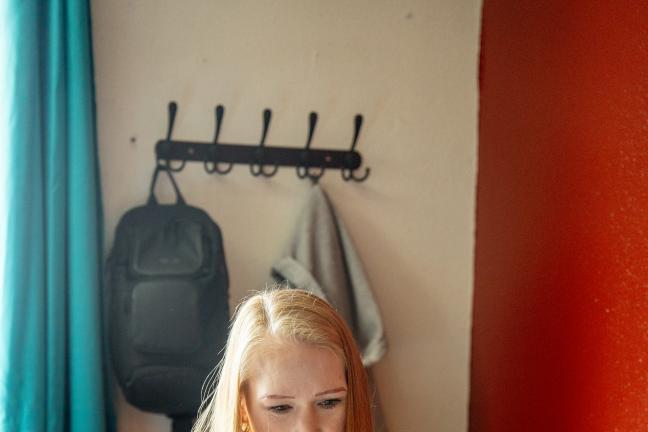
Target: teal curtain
[51, 364]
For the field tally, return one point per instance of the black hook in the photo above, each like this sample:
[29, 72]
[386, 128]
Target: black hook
[304, 171]
[220, 111]
[349, 174]
[173, 108]
[257, 168]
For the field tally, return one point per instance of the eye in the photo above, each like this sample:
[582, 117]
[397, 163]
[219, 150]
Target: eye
[329, 403]
[279, 409]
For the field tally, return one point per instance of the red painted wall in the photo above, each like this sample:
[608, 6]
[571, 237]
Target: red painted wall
[560, 336]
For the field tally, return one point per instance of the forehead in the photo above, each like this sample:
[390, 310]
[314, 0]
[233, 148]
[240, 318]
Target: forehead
[294, 369]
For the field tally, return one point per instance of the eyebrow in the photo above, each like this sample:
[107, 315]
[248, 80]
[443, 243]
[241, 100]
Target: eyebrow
[335, 390]
[272, 396]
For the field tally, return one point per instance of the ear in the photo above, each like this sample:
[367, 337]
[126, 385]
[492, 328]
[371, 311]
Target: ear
[244, 415]
[243, 407]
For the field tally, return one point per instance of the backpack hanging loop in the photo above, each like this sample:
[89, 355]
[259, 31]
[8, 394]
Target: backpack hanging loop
[152, 200]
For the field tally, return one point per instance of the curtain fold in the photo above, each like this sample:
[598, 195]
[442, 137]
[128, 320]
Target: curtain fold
[51, 363]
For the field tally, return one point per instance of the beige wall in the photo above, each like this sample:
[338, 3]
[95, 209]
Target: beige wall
[409, 67]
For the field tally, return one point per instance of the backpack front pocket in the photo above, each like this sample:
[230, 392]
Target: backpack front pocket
[166, 317]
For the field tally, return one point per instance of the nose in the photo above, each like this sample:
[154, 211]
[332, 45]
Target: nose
[308, 422]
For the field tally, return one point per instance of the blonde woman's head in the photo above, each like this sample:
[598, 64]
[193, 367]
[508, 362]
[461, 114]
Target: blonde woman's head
[290, 364]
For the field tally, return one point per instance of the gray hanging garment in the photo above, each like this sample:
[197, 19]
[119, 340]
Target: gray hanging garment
[320, 258]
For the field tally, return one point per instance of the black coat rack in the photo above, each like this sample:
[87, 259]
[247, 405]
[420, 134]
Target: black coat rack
[264, 161]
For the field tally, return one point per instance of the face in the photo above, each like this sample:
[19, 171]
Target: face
[295, 387]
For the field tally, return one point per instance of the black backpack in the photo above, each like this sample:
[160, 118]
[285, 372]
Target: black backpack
[167, 287]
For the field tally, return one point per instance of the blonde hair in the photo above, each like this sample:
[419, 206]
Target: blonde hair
[291, 315]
